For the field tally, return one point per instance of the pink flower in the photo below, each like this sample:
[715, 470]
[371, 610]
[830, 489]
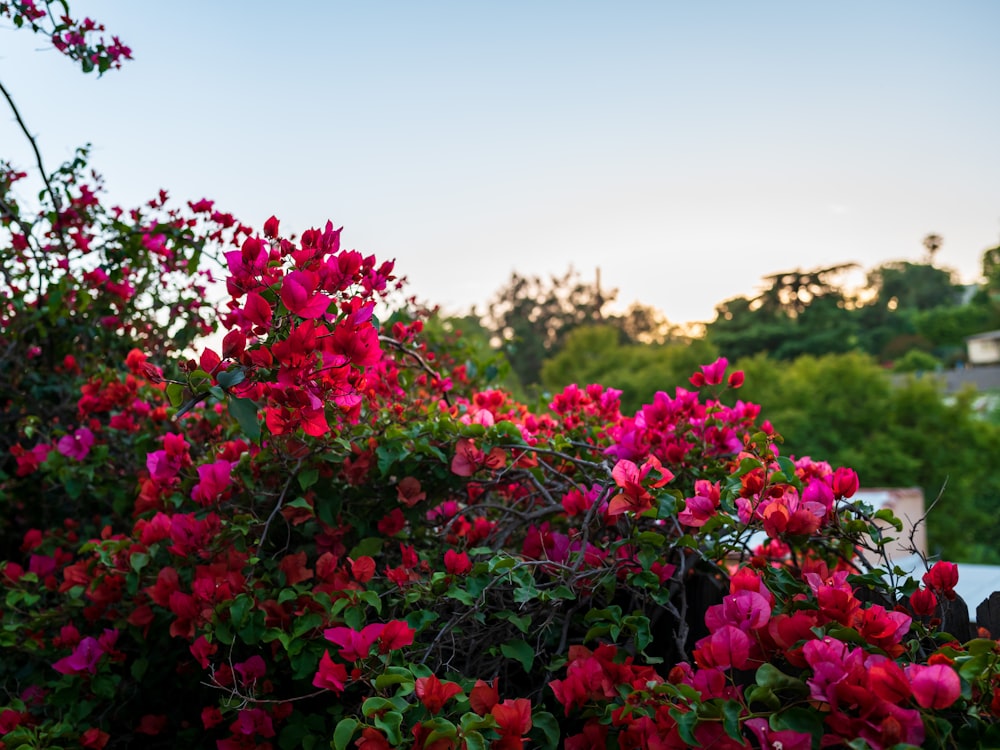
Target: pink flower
[934, 686]
[298, 292]
[77, 445]
[354, 645]
[214, 479]
[84, 658]
[711, 374]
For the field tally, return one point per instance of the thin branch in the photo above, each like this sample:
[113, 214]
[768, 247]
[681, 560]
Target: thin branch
[38, 161]
[277, 506]
[398, 345]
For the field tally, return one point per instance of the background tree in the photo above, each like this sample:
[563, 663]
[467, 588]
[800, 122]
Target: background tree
[530, 316]
[598, 354]
[798, 312]
[846, 408]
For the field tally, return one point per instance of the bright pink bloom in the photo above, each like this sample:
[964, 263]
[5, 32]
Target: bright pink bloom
[785, 739]
[77, 445]
[935, 686]
[84, 658]
[710, 374]
[726, 647]
[702, 506]
[213, 480]
[298, 293]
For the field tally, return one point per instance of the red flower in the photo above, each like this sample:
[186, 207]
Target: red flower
[943, 578]
[152, 724]
[923, 602]
[434, 694]
[409, 493]
[372, 739]
[396, 634]
[294, 568]
[483, 697]
[633, 495]
[513, 717]
[330, 674]
[457, 563]
[845, 482]
[363, 569]
[710, 374]
[95, 739]
[393, 523]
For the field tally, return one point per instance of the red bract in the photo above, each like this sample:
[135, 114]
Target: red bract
[484, 696]
[395, 635]
[457, 563]
[942, 578]
[513, 719]
[633, 496]
[434, 693]
[330, 675]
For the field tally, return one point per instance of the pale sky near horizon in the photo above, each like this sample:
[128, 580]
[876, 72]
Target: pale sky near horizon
[686, 149]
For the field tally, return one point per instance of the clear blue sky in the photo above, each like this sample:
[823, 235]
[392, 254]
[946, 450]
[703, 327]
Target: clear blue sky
[685, 148]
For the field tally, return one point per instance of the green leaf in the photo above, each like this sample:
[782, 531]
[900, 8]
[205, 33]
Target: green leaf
[367, 547]
[440, 728]
[308, 478]
[731, 719]
[769, 676]
[520, 651]
[344, 732]
[808, 721]
[390, 723]
[175, 393]
[138, 561]
[231, 378]
[393, 676]
[686, 722]
[374, 705]
[546, 723]
[244, 411]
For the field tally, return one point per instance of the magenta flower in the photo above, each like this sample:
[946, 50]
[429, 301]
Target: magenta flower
[84, 658]
[214, 479]
[934, 686]
[77, 445]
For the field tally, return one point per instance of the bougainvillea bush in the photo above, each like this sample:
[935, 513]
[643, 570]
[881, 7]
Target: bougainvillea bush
[326, 531]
